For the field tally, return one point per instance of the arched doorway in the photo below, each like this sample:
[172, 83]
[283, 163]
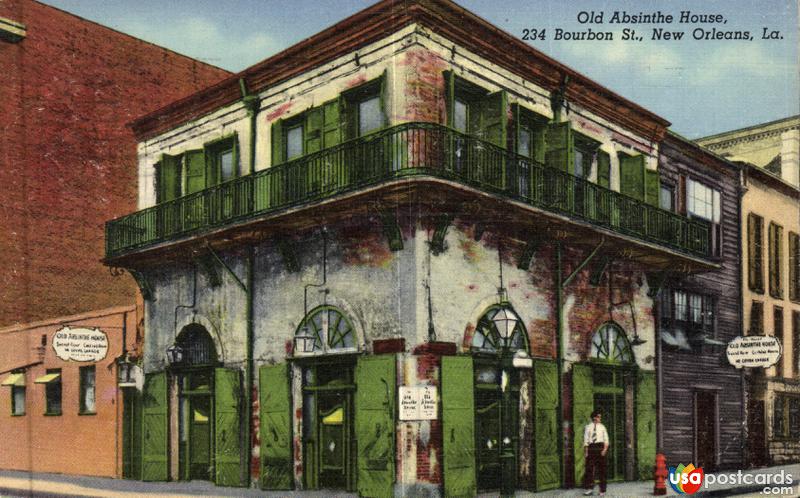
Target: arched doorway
[499, 335]
[328, 385]
[613, 376]
[195, 381]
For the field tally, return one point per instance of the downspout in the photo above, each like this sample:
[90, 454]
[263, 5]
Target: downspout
[560, 360]
[252, 104]
[741, 190]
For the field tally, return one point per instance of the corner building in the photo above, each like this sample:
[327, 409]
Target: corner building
[407, 255]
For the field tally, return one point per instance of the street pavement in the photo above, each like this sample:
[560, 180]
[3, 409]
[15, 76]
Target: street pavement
[23, 484]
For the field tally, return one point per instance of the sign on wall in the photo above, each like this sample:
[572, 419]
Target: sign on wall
[418, 403]
[80, 344]
[754, 351]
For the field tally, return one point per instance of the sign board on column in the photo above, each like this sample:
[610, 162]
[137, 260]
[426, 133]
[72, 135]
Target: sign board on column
[418, 403]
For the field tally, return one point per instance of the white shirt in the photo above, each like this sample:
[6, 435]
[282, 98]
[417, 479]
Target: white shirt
[595, 433]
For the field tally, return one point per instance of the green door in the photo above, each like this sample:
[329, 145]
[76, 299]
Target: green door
[194, 208]
[275, 427]
[131, 434]
[154, 428]
[492, 127]
[458, 429]
[559, 157]
[227, 427]
[332, 427]
[546, 433]
[376, 387]
[582, 406]
[646, 423]
[488, 417]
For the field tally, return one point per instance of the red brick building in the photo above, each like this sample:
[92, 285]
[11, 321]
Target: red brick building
[68, 164]
[67, 161]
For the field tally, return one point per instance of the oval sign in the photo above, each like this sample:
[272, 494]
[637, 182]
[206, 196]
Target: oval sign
[80, 344]
[754, 351]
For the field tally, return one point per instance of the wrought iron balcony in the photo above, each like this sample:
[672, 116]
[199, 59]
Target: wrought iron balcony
[410, 149]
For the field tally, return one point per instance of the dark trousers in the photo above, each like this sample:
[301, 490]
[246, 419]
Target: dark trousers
[595, 464]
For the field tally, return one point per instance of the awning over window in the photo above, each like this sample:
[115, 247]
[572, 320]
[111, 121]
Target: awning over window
[44, 379]
[15, 379]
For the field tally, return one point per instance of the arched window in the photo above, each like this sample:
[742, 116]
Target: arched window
[197, 345]
[487, 337]
[610, 344]
[330, 329]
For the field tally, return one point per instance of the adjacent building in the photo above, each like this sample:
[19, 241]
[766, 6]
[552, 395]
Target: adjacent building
[411, 254]
[770, 223]
[69, 86]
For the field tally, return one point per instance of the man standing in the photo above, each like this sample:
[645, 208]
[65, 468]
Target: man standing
[595, 447]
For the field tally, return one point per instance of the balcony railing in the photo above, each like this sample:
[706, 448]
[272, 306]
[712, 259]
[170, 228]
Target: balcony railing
[421, 149]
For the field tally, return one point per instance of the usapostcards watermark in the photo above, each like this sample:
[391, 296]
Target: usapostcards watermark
[780, 483]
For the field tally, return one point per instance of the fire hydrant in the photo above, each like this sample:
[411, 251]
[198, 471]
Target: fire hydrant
[660, 487]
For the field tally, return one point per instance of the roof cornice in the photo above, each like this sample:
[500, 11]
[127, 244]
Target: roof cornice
[389, 16]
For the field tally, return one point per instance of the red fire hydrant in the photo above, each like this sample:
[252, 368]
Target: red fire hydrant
[660, 487]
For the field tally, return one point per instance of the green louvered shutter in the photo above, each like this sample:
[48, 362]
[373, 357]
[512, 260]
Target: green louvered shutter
[195, 171]
[458, 426]
[652, 186]
[374, 424]
[450, 96]
[494, 119]
[169, 174]
[603, 169]
[154, 428]
[547, 435]
[631, 174]
[227, 427]
[516, 116]
[275, 427]
[313, 130]
[278, 149]
[559, 147]
[646, 424]
[582, 406]
[331, 127]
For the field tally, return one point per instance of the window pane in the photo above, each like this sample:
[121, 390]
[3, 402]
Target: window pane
[19, 400]
[696, 308]
[666, 198]
[53, 393]
[370, 117]
[226, 164]
[294, 142]
[87, 390]
[460, 116]
[680, 306]
[700, 200]
[524, 142]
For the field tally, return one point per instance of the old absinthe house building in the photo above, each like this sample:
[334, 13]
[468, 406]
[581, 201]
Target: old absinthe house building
[411, 203]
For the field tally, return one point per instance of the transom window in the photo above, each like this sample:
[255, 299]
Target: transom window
[611, 344]
[330, 329]
[487, 337]
[197, 346]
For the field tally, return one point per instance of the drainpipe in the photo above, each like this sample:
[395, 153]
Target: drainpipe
[252, 104]
[740, 279]
[560, 359]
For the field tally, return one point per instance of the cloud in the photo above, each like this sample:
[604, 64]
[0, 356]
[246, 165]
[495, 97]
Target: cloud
[208, 41]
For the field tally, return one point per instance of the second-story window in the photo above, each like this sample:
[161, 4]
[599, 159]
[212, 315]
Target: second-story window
[756, 318]
[370, 115]
[705, 203]
[197, 169]
[755, 253]
[294, 141]
[687, 318]
[363, 108]
[666, 197]
[794, 267]
[775, 260]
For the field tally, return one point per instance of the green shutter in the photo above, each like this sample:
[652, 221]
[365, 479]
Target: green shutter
[652, 184]
[382, 96]
[450, 96]
[516, 116]
[227, 428]
[646, 424]
[313, 130]
[278, 148]
[582, 406]
[374, 424]
[458, 426]
[631, 174]
[603, 169]
[195, 171]
[559, 147]
[154, 428]
[494, 118]
[331, 127]
[547, 434]
[275, 427]
[540, 143]
[169, 174]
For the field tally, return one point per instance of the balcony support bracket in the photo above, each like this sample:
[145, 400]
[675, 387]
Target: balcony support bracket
[583, 264]
[391, 229]
[655, 282]
[144, 285]
[525, 258]
[599, 270]
[437, 242]
[206, 263]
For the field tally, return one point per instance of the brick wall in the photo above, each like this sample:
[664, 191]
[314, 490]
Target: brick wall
[67, 161]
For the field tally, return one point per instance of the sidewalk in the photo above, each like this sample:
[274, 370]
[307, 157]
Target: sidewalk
[645, 488]
[51, 485]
